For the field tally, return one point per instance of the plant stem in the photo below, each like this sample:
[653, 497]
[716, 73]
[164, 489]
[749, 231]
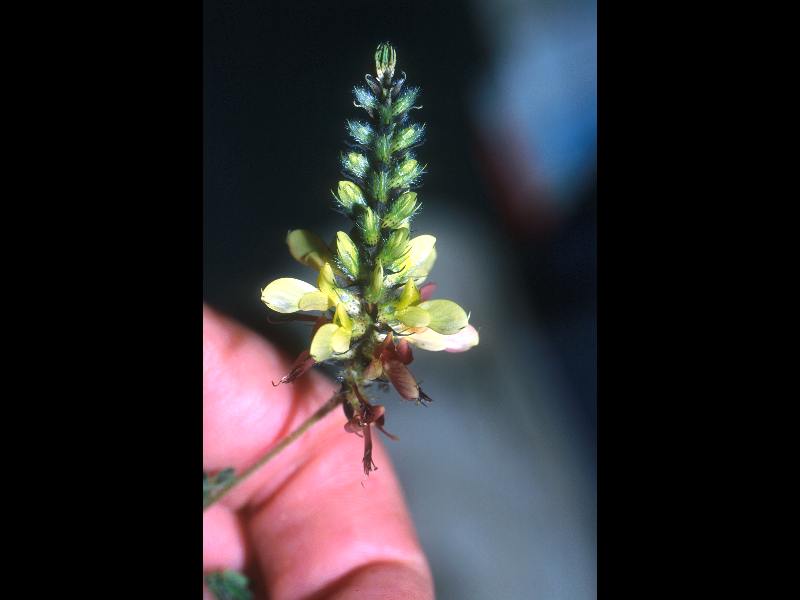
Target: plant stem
[323, 410]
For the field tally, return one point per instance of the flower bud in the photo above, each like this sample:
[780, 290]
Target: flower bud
[355, 163]
[405, 174]
[370, 227]
[380, 185]
[385, 60]
[347, 253]
[401, 211]
[407, 137]
[362, 133]
[383, 148]
[395, 248]
[405, 102]
[349, 195]
[375, 286]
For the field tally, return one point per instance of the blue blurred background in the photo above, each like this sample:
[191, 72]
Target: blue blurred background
[500, 472]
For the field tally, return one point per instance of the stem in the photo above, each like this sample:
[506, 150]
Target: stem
[323, 410]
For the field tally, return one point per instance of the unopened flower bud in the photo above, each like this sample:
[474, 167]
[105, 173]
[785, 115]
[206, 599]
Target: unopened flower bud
[385, 60]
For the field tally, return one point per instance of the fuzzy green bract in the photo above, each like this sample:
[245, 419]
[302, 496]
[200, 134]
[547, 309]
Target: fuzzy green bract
[370, 296]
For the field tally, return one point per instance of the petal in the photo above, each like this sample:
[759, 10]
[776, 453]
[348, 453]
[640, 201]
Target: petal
[283, 295]
[404, 352]
[446, 317]
[414, 316]
[418, 261]
[342, 319]
[426, 291]
[307, 248]
[459, 342]
[420, 273]
[402, 379]
[315, 300]
[340, 340]
[373, 370]
[322, 344]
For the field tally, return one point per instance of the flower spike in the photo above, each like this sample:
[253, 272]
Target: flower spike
[370, 295]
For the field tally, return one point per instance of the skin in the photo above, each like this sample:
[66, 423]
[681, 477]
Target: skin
[308, 525]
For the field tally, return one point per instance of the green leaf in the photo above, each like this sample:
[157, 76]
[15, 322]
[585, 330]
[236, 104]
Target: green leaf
[307, 248]
[228, 585]
[447, 317]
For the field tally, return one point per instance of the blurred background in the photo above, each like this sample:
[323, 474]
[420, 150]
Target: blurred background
[500, 472]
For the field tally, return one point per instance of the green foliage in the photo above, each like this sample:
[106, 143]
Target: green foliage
[228, 585]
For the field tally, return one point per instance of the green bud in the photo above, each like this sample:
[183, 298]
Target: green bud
[380, 185]
[407, 137]
[365, 99]
[383, 148]
[362, 133]
[405, 102]
[375, 286]
[401, 211]
[349, 195]
[355, 163]
[405, 174]
[385, 61]
[347, 254]
[395, 248]
[370, 227]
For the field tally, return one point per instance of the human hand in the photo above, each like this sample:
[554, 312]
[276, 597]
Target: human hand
[309, 524]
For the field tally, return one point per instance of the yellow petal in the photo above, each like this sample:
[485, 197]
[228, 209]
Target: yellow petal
[327, 283]
[322, 344]
[307, 248]
[446, 317]
[315, 300]
[418, 262]
[340, 341]
[409, 295]
[283, 295]
[342, 319]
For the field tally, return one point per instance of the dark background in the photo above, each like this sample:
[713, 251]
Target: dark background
[508, 91]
